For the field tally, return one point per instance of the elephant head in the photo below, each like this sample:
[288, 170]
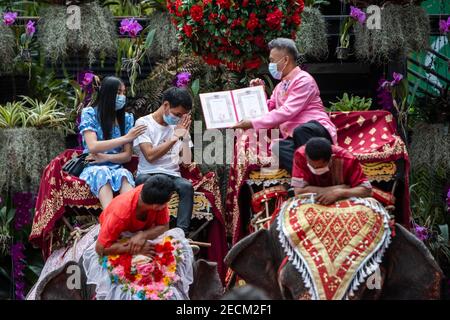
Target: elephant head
[408, 271]
[58, 285]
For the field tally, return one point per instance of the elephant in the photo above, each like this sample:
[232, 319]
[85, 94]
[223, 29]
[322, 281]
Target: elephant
[408, 270]
[206, 283]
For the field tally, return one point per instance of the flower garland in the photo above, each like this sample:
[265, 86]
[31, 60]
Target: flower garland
[234, 33]
[147, 278]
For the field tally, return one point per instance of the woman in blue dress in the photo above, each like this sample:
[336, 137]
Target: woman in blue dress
[108, 134]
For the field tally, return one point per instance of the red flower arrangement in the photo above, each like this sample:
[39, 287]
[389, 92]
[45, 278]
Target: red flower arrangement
[234, 33]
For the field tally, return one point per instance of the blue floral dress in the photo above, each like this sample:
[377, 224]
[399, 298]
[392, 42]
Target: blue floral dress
[97, 175]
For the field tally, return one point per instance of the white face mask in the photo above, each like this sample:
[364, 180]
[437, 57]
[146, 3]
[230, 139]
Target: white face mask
[318, 171]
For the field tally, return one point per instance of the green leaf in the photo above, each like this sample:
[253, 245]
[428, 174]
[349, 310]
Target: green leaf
[149, 39]
[444, 232]
[195, 87]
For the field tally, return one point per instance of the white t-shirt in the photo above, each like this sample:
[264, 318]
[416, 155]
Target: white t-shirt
[156, 135]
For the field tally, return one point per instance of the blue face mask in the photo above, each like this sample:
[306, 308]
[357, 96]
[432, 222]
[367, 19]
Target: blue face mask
[273, 69]
[120, 101]
[170, 119]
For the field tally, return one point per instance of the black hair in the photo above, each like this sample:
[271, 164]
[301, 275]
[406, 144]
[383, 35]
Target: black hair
[285, 44]
[318, 149]
[178, 97]
[157, 189]
[106, 107]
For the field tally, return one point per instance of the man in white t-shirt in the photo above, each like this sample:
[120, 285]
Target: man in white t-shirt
[165, 142]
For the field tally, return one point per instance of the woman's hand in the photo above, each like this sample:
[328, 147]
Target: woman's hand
[137, 243]
[257, 82]
[97, 158]
[135, 132]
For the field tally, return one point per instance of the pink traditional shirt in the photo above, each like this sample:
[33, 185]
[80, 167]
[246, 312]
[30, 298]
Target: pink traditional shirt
[295, 101]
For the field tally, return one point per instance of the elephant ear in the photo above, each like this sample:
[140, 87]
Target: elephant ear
[207, 284]
[65, 283]
[412, 272]
[252, 259]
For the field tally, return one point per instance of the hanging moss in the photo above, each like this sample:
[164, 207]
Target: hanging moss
[97, 36]
[165, 43]
[312, 39]
[403, 29]
[7, 44]
[24, 153]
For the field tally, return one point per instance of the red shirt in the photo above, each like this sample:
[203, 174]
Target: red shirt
[120, 216]
[344, 169]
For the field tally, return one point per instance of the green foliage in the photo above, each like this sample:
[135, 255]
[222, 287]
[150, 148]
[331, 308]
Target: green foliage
[12, 115]
[312, 39]
[165, 43]
[24, 153]
[404, 29]
[133, 7]
[432, 109]
[45, 114]
[34, 113]
[6, 218]
[7, 49]
[354, 103]
[428, 207]
[96, 38]
[316, 3]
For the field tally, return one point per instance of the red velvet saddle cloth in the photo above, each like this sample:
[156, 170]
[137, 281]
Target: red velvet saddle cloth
[336, 247]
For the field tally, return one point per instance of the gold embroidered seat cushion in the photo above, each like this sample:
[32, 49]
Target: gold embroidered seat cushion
[334, 247]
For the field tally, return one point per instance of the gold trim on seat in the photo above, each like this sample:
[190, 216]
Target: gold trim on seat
[202, 207]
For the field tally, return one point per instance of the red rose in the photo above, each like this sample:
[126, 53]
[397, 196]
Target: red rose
[245, 3]
[236, 22]
[296, 19]
[273, 19]
[211, 60]
[255, 63]
[259, 41]
[168, 246]
[187, 30]
[206, 2]
[224, 4]
[237, 52]
[197, 13]
[178, 4]
[213, 16]
[252, 22]
[157, 275]
[223, 18]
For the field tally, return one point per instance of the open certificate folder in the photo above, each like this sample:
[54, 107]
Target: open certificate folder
[224, 109]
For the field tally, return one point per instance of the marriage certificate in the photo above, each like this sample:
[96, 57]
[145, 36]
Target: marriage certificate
[224, 109]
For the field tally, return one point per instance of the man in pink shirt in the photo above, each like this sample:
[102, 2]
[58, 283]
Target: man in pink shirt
[295, 105]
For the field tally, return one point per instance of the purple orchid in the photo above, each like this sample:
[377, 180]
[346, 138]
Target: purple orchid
[421, 232]
[9, 18]
[24, 202]
[358, 15]
[87, 79]
[18, 260]
[384, 96]
[182, 79]
[444, 26]
[397, 78]
[130, 26]
[30, 28]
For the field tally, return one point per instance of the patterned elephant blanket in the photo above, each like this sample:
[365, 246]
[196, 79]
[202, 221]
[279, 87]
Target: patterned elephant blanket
[335, 248]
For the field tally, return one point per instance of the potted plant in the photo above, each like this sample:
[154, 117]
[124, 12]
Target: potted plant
[7, 42]
[352, 103]
[95, 39]
[32, 134]
[234, 34]
[404, 29]
[357, 16]
[312, 38]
